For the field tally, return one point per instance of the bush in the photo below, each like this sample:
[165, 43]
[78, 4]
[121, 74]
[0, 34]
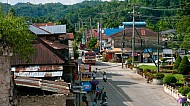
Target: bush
[169, 79]
[168, 67]
[147, 70]
[104, 59]
[177, 62]
[159, 76]
[184, 66]
[188, 95]
[184, 90]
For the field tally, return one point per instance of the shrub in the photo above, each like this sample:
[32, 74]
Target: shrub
[177, 62]
[147, 70]
[169, 79]
[188, 95]
[184, 66]
[184, 90]
[159, 76]
[104, 59]
[166, 67]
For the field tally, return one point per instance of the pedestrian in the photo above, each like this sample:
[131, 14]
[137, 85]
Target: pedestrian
[93, 75]
[104, 97]
[84, 99]
[98, 93]
[95, 102]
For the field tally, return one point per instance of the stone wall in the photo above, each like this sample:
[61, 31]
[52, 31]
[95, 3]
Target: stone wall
[48, 100]
[6, 82]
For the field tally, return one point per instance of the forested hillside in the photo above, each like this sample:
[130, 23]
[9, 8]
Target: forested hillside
[160, 15]
[111, 13]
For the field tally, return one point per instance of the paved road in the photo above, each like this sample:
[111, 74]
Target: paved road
[126, 88]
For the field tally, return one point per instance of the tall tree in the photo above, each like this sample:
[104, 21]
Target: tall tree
[184, 66]
[14, 35]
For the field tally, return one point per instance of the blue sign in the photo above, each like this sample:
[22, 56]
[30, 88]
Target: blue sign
[86, 86]
[149, 49]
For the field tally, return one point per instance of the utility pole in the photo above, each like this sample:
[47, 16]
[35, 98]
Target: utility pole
[123, 46]
[158, 52]
[90, 28]
[133, 35]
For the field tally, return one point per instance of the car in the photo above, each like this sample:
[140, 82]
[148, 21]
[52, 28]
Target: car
[169, 59]
[160, 61]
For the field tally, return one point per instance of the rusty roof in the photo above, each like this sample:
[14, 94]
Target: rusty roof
[67, 36]
[44, 24]
[118, 50]
[55, 45]
[42, 55]
[59, 86]
[128, 32]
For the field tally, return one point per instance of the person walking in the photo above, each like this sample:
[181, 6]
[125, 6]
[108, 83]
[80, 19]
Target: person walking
[95, 102]
[84, 99]
[104, 97]
[98, 93]
[94, 75]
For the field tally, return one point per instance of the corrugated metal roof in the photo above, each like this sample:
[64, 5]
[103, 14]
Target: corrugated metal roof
[56, 29]
[55, 45]
[42, 55]
[37, 30]
[111, 31]
[47, 85]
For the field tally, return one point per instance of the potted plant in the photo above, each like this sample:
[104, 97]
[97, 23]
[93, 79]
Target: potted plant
[158, 78]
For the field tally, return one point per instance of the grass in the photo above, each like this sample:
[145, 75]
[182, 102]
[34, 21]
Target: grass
[179, 77]
[148, 67]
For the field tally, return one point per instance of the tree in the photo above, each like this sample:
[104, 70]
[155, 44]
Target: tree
[184, 66]
[75, 49]
[92, 43]
[14, 38]
[177, 62]
[185, 43]
[14, 33]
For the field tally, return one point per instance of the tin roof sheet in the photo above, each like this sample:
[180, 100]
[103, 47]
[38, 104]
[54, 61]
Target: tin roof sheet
[56, 29]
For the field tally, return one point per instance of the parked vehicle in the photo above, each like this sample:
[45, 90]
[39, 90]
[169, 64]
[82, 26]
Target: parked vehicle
[88, 57]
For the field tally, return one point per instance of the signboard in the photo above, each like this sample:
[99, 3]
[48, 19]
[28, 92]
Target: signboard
[146, 51]
[38, 71]
[167, 51]
[37, 68]
[86, 72]
[86, 86]
[39, 74]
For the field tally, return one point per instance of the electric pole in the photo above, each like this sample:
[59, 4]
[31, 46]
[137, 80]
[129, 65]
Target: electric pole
[123, 46]
[133, 35]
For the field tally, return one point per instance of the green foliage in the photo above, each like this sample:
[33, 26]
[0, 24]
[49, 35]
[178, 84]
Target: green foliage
[184, 66]
[113, 13]
[186, 40]
[188, 95]
[15, 34]
[184, 90]
[159, 75]
[144, 67]
[177, 62]
[169, 79]
[92, 43]
[75, 49]
[183, 25]
[76, 54]
[104, 59]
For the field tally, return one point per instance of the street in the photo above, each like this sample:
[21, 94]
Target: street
[126, 88]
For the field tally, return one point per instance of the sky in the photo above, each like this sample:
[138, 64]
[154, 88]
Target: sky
[65, 2]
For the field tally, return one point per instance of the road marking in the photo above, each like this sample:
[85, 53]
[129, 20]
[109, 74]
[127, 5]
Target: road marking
[127, 103]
